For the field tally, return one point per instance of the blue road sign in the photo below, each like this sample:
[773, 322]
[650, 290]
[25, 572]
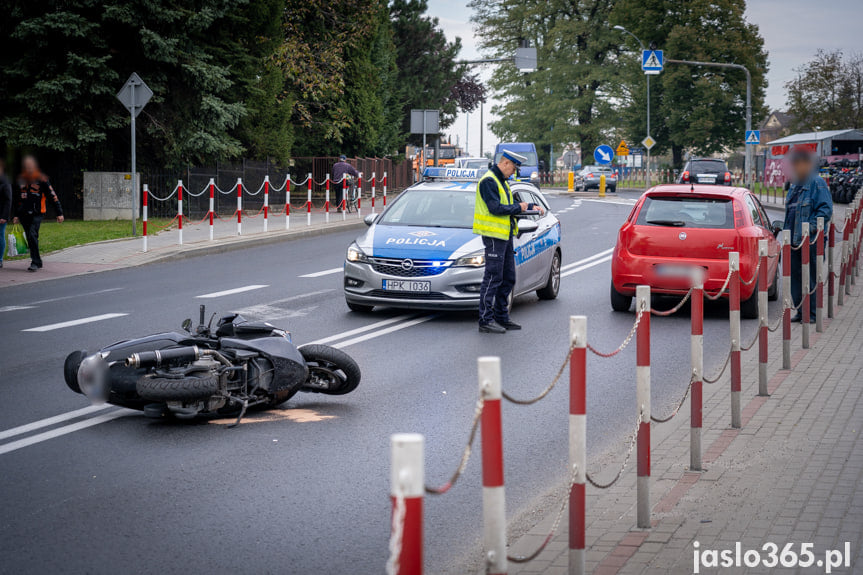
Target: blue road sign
[603, 154]
[651, 61]
[753, 137]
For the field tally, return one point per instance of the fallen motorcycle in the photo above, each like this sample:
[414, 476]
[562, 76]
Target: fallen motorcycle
[223, 371]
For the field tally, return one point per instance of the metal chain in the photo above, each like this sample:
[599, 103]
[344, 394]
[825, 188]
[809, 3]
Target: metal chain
[625, 341]
[218, 189]
[201, 193]
[676, 308]
[779, 319]
[754, 276]
[255, 193]
[797, 247]
[548, 389]
[165, 199]
[752, 343]
[465, 456]
[721, 290]
[679, 405]
[396, 533]
[706, 379]
[554, 526]
[625, 459]
[814, 240]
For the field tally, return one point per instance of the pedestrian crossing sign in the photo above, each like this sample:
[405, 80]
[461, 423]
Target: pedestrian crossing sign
[651, 61]
[753, 137]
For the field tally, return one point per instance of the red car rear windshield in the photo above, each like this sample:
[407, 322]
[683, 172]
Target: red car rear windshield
[687, 212]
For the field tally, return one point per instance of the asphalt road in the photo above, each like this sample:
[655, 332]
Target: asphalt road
[303, 489]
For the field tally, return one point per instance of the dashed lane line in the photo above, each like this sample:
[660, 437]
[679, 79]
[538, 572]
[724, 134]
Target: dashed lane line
[586, 266]
[587, 259]
[232, 291]
[323, 273]
[83, 320]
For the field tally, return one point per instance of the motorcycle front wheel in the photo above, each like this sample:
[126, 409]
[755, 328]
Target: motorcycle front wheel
[331, 371]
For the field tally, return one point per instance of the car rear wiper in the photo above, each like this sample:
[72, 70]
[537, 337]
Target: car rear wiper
[674, 223]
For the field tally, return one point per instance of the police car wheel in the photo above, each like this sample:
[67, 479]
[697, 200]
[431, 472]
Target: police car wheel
[552, 287]
[359, 308]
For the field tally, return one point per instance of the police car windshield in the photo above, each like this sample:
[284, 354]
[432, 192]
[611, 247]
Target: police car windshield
[433, 208]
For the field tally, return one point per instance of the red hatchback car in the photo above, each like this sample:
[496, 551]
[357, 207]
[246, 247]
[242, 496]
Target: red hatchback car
[677, 227]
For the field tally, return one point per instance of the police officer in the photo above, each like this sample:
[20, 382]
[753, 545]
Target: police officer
[494, 219]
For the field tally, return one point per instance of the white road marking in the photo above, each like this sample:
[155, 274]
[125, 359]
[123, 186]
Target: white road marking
[231, 291]
[585, 260]
[586, 266]
[15, 307]
[274, 311]
[620, 201]
[49, 421]
[65, 297]
[385, 331]
[323, 273]
[83, 320]
[369, 327]
[40, 437]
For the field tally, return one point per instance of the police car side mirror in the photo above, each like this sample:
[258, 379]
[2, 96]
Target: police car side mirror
[527, 227]
[370, 219]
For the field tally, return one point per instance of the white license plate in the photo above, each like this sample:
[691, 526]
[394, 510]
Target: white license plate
[674, 271]
[706, 179]
[407, 286]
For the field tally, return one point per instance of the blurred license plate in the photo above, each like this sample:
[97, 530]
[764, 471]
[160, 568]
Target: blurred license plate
[407, 285]
[706, 178]
[674, 271]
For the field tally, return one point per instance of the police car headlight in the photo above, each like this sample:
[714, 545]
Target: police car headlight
[534, 177]
[355, 254]
[474, 260]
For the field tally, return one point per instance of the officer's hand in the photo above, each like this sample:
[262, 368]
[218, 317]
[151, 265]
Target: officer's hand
[524, 206]
[538, 208]
[60, 219]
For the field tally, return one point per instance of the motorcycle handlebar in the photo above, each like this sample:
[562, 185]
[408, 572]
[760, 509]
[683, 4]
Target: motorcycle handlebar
[158, 357]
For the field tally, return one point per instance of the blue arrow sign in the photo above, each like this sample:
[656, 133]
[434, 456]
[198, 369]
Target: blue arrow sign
[603, 154]
[753, 137]
[651, 61]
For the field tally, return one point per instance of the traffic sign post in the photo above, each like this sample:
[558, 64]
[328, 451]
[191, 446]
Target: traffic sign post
[425, 122]
[134, 95]
[603, 154]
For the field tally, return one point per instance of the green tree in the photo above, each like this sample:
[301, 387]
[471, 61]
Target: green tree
[697, 109]
[827, 93]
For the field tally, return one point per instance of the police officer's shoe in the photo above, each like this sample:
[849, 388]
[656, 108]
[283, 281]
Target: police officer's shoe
[32, 268]
[491, 327]
[509, 325]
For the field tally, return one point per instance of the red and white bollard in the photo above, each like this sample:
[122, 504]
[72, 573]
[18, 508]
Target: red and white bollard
[577, 441]
[696, 360]
[642, 395]
[144, 214]
[407, 486]
[343, 206]
[385, 189]
[831, 280]
[762, 318]
[373, 192]
[327, 199]
[819, 275]
[288, 202]
[360, 195]
[805, 287]
[493, 499]
[787, 303]
[180, 210]
[309, 203]
[212, 186]
[844, 285]
[266, 201]
[850, 232]
[734, 318]
[239, 206]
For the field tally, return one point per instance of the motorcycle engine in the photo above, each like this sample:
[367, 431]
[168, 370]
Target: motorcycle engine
[188, 410]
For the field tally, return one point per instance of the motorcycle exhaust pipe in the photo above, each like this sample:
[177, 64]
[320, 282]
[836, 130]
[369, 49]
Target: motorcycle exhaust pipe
[159, 357]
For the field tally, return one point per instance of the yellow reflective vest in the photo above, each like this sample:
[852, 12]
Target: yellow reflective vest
[486, 223]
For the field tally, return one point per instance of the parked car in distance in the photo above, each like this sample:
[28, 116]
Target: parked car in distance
[587, 178]
[711, 171]
[472, 163]
[529, 170]
[675, 229]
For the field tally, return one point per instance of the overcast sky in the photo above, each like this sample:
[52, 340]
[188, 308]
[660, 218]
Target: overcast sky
[792, 30]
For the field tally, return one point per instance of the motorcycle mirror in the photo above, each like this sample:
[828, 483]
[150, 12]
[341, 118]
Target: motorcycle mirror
[187, 324]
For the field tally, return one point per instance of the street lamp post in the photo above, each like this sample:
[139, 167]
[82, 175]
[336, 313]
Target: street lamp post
[641, 44]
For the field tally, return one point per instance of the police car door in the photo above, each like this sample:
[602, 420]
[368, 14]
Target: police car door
[526, 257]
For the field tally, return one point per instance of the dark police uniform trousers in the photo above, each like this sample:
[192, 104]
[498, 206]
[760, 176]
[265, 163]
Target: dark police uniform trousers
[498, 280]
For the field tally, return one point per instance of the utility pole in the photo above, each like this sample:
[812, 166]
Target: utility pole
[641, 44]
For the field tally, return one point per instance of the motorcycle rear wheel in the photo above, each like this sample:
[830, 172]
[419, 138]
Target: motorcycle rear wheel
[330, 366]
[189, 388]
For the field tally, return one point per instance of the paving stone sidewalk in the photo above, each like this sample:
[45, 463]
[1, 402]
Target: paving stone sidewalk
[792, 473]
[164, 245]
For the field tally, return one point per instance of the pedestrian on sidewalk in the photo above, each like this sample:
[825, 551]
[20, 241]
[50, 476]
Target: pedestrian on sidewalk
[33, 189]
[808, 199]
[342, 169]
[5, 208]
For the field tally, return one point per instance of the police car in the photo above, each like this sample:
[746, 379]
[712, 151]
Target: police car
[421, 251]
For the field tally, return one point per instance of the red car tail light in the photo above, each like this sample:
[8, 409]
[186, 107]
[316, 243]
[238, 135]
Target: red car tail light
[739, 220]
[589, 175]
[685, 177]
[727, 177]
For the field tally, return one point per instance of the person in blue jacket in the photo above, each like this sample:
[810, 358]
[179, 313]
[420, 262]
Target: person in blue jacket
[808, 199]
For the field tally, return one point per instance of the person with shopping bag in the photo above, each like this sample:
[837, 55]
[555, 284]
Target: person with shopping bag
[5, 208]
[34, 188]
